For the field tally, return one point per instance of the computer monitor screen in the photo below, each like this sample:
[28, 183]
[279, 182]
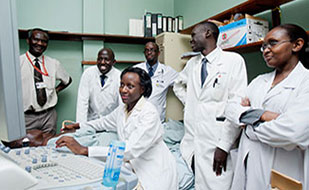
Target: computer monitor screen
[12, 122]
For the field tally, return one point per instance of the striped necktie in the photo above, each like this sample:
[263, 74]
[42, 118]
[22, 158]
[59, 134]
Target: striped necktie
[38, 78]
[150, 71]
[102, 80]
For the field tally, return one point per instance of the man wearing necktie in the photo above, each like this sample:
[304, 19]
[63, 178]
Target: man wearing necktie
[39, 74]
[208, 81]
[98, 92]
[162, 77]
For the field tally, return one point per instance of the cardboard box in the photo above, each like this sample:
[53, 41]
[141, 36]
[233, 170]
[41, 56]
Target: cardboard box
[279, 181]
[248, 30]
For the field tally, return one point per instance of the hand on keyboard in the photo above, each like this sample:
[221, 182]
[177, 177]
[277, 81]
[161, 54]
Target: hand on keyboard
[72, 144]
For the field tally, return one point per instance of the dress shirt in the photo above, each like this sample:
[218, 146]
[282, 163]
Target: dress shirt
[154, 68]
[55, 72]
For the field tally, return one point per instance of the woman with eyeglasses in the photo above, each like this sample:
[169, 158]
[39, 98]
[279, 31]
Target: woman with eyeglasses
[275, 114]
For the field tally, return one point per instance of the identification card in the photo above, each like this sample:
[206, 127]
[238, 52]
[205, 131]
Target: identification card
[40, 85]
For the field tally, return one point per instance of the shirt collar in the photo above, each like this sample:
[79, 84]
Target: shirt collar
[211, 56]
[33, 57]
[291, 79]
[138, 106]
[154, 67]
[107, 75]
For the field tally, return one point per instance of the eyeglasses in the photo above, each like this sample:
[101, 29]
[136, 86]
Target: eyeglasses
[272, 44]
[150, 50]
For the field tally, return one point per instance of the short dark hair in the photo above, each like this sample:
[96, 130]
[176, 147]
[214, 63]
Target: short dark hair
[145, 80]
[109, 50]
[30, 31]
[294, 32]
[212, 27]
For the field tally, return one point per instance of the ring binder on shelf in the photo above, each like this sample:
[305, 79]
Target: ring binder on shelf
[169, 24]
[180, 23]
[159, 24]
[147, 25]
[154, 26]
[164, 24]
[156, 23]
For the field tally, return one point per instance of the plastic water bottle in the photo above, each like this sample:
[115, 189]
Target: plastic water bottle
[113, 163]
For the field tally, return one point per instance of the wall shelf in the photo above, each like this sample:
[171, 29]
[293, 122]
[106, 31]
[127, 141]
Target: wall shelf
[109, 38]
[252, 47]
[249, 7]
[123, 61]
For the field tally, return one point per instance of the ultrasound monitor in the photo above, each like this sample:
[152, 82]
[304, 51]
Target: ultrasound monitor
[12, 124]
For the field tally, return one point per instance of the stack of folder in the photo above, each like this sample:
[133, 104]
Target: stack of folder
[156, 23]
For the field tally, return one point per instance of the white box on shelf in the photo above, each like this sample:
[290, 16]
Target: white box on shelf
[248, 30]
[136, 27]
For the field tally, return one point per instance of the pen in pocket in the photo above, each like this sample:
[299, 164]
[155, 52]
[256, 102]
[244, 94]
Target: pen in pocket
[215, 82]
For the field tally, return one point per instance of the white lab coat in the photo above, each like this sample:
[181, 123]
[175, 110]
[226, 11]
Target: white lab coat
[281, 144]
[142, 132]
[93, 100]
[227, 79]
[162, 79]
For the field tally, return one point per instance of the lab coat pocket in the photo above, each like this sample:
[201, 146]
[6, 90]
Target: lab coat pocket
[220, 125]
[278, 101]
[159, 83]
[218, 85]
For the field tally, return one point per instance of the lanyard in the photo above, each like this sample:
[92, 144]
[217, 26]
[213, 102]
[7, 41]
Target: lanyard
[43, 63]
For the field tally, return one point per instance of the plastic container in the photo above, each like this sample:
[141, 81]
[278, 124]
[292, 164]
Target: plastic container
[113, 163]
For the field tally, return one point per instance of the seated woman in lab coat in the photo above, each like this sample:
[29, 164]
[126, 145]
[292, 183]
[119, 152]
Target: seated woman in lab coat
[276, 114]
[138, 124]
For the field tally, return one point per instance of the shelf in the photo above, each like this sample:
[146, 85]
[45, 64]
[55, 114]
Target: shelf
[250, 7]
[255, 46]
[94, 62]
[249, 47]
[68, 36]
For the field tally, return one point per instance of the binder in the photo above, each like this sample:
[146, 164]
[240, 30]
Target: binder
[147, 25]
[169, 24]
[173, 24]
[164, 24]
[180, 22]
[154, 24]
[176, 25]
[159, 24]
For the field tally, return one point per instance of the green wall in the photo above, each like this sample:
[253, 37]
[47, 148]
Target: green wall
[112, 17]
[195, 11]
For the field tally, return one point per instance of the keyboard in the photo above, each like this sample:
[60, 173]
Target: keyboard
[56, 170]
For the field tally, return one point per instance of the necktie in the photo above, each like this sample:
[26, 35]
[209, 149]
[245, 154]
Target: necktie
[203, 71]
[150, 71]
[102, 80]
[38, 78]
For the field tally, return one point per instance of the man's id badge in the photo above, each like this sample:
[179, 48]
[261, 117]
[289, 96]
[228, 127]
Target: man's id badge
[40, 85]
